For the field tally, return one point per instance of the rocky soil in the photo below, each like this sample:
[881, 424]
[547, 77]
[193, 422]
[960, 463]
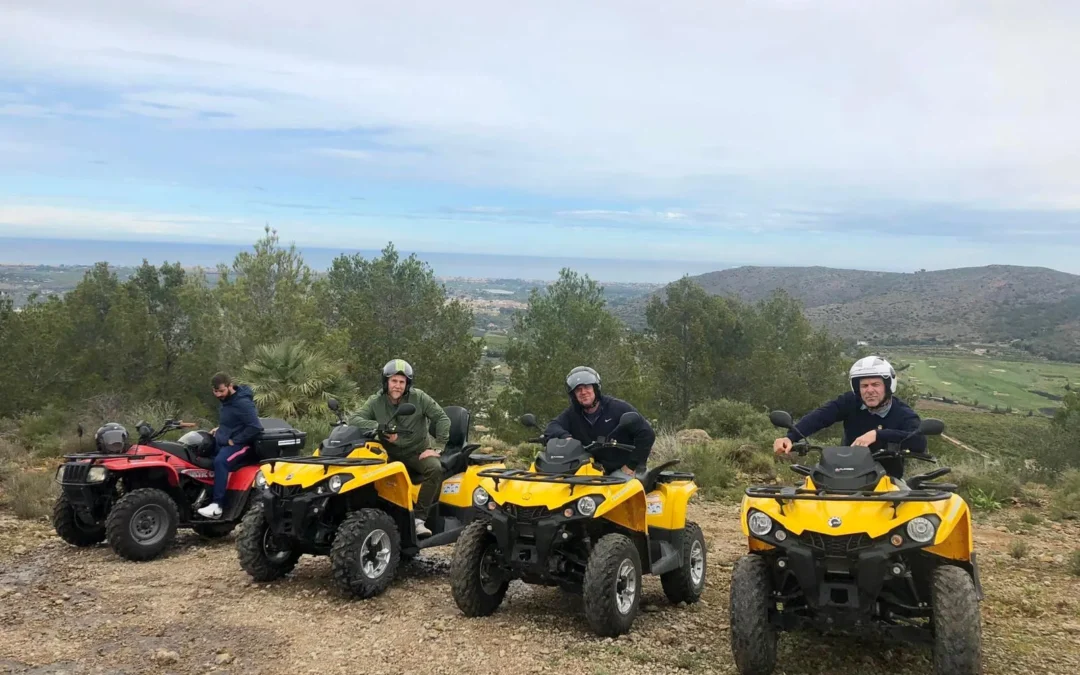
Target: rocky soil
[195, 611]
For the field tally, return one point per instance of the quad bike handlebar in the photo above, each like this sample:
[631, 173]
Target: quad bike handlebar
[893, 451]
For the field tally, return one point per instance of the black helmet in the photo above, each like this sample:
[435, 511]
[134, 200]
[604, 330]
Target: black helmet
[397, 367]
[199, 442]
[579, 376]
[111, 438]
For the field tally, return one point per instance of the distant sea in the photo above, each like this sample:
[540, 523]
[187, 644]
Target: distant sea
[54, 252]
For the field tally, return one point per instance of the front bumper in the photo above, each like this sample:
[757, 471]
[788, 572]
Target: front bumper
[294, 515]
[528, 536]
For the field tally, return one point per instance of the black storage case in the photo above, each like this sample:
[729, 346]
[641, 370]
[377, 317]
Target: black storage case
[278, 439]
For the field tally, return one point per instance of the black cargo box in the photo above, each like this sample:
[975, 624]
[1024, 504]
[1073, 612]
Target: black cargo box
[278, 439]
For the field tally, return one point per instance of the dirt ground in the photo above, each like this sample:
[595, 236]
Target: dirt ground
[195, 611]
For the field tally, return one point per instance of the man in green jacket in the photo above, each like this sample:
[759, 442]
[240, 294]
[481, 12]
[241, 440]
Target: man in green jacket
[409, 444]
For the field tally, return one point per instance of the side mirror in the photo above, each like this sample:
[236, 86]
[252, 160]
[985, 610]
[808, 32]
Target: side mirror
[528, 420]
[782, 419]
[79, 430]
[333, 404]
[931, 427]
[405, 409]
[629, 419]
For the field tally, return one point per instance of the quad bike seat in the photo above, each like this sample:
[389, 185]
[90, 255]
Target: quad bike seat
[181, 451]
[847, 468]
[455, 456]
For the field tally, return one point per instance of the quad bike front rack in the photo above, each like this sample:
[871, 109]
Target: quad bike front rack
[556, 478]
[325, 462]
[784, 494]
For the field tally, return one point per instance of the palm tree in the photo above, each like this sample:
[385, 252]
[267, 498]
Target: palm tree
[291, 380]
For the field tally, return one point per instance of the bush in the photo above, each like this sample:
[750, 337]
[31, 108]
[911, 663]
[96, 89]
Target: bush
[724, 418]
[987, 487]
[712, 470]
[1030, 518]
[1074, 562]
[1065, 502]
[30, 493]
[1018, 548]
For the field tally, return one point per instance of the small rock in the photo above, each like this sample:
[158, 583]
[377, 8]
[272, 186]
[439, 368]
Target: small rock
[650, 609]
[1071, 628]
[517, 637]
[692, 436]
[19, 550]
[377, 619]
[165, 657]
[224, 659]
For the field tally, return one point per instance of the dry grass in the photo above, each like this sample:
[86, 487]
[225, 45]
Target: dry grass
[30, 493]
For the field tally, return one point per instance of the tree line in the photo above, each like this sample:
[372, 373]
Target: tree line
[300, 337]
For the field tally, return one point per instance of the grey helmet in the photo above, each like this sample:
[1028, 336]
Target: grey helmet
[397, 367]
[579, 376]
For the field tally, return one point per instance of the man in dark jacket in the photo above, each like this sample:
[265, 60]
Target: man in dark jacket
[238, 425]
[592, 414]
[873, 417]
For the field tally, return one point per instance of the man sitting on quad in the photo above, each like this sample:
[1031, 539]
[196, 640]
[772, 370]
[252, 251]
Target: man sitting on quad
[591, 415]
[238, 425]
[873, 417]
[409, 444]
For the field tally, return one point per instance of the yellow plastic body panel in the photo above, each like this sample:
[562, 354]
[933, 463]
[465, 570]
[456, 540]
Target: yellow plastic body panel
[874, 518]
[666, 505]
[622, 504]
[391, 479]
[457, 490]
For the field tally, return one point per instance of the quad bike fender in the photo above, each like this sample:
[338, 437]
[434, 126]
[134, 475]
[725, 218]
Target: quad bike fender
[666, 506]
[457, 490]
[625, 507]
[144, 466]
[954, 540]
[242, 478]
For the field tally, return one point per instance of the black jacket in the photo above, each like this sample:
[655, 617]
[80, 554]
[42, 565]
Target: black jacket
[239, 421]
[847, 408]
[571, 423]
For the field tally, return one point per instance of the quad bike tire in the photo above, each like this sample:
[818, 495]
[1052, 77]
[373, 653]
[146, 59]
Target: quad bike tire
[142, 524]
[358, 571]
[260, 564]
[214, 530]
[753, 638]
[473, 596]
[956, 622]
[66, 523]
[612, 557]
[686, 583]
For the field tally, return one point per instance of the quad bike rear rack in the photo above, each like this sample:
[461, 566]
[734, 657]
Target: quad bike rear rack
[325, 462]
[556, 478]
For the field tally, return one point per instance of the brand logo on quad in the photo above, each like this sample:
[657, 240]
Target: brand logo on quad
[289, 477]
[834, 522]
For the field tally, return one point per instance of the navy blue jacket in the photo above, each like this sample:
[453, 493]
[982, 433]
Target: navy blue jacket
[239, 421]
[847, 408]
[571, 423]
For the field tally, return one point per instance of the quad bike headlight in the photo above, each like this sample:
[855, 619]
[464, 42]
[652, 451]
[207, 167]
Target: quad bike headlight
[480, 496]
[921, 530]
[335, 483]
[260, 481]
[586, 506]
[759, 523]
[96, 474]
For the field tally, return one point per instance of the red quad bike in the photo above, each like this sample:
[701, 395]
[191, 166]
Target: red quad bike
[136, 496]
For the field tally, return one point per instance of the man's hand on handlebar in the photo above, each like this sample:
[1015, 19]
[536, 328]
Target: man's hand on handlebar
[782, 446]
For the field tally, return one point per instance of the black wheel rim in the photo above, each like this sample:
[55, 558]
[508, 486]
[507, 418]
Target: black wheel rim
[149, 524]
[274, 552]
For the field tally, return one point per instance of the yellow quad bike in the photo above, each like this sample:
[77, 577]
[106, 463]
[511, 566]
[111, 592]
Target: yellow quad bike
[351, 502]
[855, 551]
[564, 523]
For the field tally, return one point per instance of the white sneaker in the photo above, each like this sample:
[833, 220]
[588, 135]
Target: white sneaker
[421, 528]
[210, 511]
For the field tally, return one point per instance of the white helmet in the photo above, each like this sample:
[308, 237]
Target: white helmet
[872, 366]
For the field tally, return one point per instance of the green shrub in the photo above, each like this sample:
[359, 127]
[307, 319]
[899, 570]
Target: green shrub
[713, 470]
[724, 418]
[1065, 502]
[987, 486]
[1074, 562]
[30, 493]
[1018, 548]
[1030, 518]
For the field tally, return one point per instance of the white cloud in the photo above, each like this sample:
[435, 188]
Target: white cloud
[45, 220]
[964, 102]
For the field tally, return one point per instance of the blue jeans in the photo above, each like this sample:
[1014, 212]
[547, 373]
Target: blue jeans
[228, 458]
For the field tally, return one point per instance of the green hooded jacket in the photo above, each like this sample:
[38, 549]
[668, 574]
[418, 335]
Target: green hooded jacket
[412, 429]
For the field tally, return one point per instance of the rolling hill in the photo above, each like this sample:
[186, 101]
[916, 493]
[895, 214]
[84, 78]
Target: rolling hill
[1038, 307]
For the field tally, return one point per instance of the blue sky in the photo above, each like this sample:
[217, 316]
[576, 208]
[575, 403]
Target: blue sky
[891, 135]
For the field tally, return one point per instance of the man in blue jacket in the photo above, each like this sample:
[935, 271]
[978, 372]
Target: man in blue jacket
[592, 415]
[873, 417]
[238, 426]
